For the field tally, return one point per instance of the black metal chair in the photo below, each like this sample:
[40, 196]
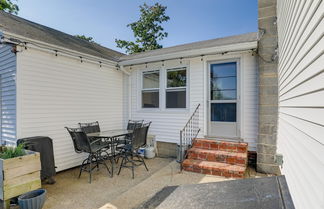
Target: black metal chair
[130, 151]
[94, 127]
[132, 124]
[119, 144]
[82, 144]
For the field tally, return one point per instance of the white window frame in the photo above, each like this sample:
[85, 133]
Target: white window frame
[150, 89]
[175, 88]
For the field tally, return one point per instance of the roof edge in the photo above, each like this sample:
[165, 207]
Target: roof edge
[8, 35]
[191, 53]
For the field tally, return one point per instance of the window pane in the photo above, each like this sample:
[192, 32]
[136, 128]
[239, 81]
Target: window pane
[223, 70]
[151, 80]
[223, 83]
[176, 99]
[223, 112]
[150, 99]
[177, 78]
[223, 95]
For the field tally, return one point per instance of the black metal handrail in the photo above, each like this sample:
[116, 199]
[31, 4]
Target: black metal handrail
[188, 133]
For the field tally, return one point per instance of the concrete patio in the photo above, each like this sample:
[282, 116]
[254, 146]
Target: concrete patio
[121, 191]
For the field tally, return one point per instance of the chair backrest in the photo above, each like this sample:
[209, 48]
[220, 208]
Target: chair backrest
[139, 136]
[80, 140]
[133, 124]
[92, 127]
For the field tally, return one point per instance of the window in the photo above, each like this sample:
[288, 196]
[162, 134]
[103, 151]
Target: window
[150, 89]
[223, 81]
[223, 92]
[176, 88]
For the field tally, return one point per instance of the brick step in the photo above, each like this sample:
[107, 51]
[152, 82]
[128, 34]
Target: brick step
[232, 158]
[214, 168]
[240, 147]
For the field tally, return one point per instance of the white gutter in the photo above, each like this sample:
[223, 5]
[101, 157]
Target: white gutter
[191, 53]
[9, 37]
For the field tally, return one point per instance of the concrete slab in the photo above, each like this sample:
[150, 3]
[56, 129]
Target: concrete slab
[73, 193]
[121, 191]
[167, 176]
[266, 193]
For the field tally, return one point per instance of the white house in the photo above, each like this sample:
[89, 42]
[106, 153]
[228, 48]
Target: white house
[169, 103]
[58, 80]
[262, 88]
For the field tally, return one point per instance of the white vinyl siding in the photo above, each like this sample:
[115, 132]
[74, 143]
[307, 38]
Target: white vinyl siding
[301, 103]
[166, 123]
[8, 94]
[54, 92]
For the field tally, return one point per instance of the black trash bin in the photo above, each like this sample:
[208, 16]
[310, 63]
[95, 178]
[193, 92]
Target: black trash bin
[43, 145]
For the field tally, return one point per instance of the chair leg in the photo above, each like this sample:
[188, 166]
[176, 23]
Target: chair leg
[80, 171]
[85, 162]
[133, 170]
[121, 164]
[103, 162]
[142, 159]
[112, 167]
[90, 169]
[98, 158]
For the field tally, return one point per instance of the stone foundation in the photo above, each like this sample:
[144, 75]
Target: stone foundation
[166, 149]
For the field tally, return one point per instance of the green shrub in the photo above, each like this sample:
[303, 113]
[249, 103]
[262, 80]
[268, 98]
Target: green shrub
[11, 152]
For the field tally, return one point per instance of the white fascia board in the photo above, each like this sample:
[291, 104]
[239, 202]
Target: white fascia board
[192, 53]
[8, 35]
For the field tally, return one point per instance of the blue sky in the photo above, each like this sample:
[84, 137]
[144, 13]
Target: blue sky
[105, 20]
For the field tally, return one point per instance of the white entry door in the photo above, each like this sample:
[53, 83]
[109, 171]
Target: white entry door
[223, 102]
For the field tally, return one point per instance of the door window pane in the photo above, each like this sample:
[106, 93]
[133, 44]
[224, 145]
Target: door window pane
[223, 95]
[150, 99]
[223, 83]
[223, 70]
[223, 112]
[151, 80]
[176, 99]
[176, 78]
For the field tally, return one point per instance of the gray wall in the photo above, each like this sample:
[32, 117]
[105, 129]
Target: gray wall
[268, 87]
[8, 94]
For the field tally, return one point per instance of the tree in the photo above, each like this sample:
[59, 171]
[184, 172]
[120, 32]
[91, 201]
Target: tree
[90, 39]
[147, 30]
[8, 6]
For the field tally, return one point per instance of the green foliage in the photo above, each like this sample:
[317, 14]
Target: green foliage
[12, 152]
[90, 39]
[147, 30]
[8, 6]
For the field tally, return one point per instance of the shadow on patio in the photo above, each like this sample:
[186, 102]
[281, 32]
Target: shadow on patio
[120, 191]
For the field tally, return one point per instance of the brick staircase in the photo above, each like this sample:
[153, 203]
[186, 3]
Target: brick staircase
[219, 158]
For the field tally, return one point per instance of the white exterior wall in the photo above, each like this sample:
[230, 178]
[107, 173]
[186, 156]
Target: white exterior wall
[54, 92]
[166, 123]
[8, 95]
[301, 103]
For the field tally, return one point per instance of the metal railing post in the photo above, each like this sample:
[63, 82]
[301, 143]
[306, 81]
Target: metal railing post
[188, 133]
